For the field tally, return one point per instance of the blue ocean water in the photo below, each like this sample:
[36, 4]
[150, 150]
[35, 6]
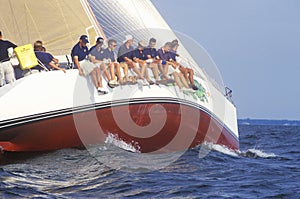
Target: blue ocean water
[267, 166]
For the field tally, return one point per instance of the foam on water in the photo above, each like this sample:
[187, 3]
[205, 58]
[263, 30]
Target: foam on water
[116, 141]
[250, 153]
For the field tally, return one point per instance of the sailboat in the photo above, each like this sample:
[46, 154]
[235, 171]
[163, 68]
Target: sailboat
[54, 110]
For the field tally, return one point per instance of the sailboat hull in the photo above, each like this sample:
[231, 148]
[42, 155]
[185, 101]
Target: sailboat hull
[57, 132]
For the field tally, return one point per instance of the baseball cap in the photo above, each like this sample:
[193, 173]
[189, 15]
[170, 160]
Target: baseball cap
[84, 38]
[128, 37]
[99, 40]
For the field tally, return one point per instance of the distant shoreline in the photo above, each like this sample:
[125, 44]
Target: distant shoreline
[268, 122]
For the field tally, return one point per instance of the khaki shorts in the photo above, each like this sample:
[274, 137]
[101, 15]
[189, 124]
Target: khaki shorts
[7, 74]
[87, 67]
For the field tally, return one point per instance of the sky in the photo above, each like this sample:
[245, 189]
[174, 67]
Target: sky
[254, 43]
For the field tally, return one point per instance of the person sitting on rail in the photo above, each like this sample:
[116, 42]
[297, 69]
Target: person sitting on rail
[79, 55]
[187, 72]
[171, 68]
[96, 56]
[110, 59]
[45, 58]
[125, 56]
[140, 57]
[153, 57]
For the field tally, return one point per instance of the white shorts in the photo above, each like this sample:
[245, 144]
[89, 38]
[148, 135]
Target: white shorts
[87, 67]
[7, 74]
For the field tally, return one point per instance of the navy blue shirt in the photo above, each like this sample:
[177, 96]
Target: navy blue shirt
[172, 55]
[99, 55]
[4, 45]
[109, 55]
[43, 57]
[151, 51]
[80, 52]
[125, 52]
[140, 54]
[163, 55]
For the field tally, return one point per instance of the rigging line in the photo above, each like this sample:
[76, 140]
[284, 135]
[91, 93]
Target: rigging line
[96, 8]
[15, 21]
[34, 23]
[64, 18]
[103, 15]
[78, 17]
[111, 18]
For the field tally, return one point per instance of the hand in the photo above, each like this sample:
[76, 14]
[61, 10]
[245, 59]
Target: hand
[80, 72]
[64, 70]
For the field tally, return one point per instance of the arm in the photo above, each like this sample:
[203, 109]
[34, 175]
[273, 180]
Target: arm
[56, 66]
[77, 64]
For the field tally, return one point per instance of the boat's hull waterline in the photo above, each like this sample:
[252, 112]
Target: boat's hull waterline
[50, 132]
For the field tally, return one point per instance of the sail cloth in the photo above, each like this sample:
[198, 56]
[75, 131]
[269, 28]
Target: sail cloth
[58, 23]
[139, 18]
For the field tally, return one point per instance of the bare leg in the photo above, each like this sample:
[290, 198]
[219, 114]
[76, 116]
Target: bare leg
[103, 68]
[99, 77]
[134, 68]
[143, 69]
[94, 78]
[125, 70]
[112, 71]
[183, 80]
[177, 80]
[154, 68]
[118, 72]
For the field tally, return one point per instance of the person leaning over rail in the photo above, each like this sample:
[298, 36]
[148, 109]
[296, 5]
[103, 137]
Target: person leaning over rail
[79, 55]
[46, 58]
[7, 74]
[125, 55]
[171, 68]
[187, 72]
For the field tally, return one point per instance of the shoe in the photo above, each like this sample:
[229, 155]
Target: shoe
[151, 82]
[187, 90]
[140, 82]
[113, 83]
[145, 83]
[194, 87]
[102, 92]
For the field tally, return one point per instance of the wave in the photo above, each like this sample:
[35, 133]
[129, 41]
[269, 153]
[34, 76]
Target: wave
[116, 141]
[250, 153]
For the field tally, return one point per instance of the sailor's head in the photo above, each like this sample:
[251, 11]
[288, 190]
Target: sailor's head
[175, 44]
[38, 45]
[112, 44]
[141, 45]
[84, 40]
[0, 35]
[152, 42]
[167, 46]
[128, 40]
[99, 41]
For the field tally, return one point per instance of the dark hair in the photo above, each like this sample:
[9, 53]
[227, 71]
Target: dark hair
[0, 33]
[152, 40]
[168, 44]
[111, 41]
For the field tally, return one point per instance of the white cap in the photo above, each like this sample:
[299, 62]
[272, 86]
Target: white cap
[128, 37]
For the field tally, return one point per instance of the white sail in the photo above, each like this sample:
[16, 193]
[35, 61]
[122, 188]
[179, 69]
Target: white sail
[141, 19]
[58, 23]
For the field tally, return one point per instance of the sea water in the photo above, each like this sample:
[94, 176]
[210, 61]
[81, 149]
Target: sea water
[267, 166]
